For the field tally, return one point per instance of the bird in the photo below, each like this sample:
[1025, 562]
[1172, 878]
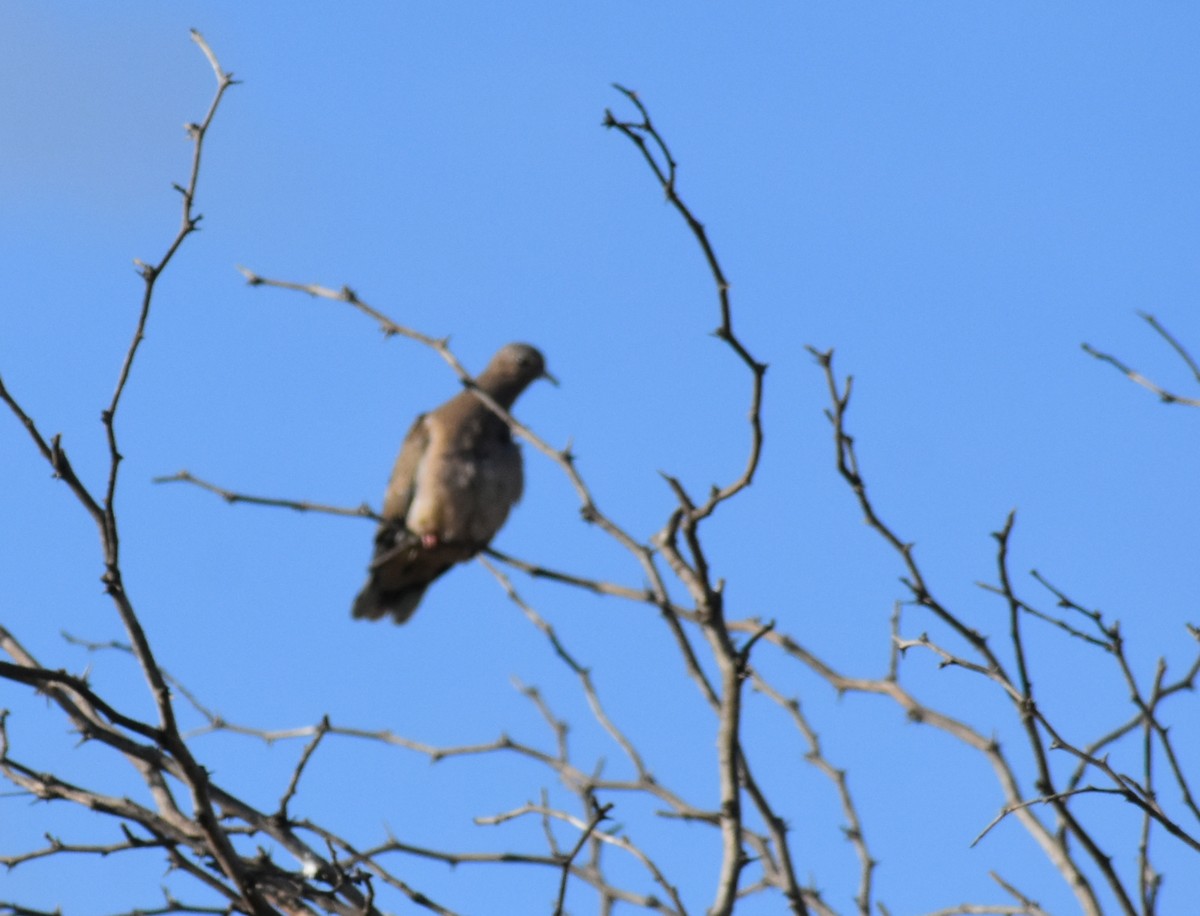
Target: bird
[458, 474]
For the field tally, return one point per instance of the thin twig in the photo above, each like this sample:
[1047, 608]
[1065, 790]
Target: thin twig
[638, 132]
[232, 497]
[599, 815]
[1167, 397]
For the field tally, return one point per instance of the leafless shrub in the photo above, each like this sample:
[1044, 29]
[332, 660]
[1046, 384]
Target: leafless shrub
[229, 846]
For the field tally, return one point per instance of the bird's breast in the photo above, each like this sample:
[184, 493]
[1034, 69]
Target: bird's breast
[465, 496]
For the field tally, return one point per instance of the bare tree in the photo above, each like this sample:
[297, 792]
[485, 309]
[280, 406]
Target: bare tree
[241, 856]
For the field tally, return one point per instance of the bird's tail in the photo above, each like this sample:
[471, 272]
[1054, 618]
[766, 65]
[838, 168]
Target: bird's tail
[373, 603]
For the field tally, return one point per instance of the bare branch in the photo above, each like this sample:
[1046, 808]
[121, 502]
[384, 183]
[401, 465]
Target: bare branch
[1167, 397]
[599, 815]
[816, 756]
[638, 132]
[294, 784]
[231, 497]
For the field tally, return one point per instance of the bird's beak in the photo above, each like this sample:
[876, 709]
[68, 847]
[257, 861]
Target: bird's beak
[550, 378]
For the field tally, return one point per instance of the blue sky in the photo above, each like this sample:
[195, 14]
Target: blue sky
[954, 196]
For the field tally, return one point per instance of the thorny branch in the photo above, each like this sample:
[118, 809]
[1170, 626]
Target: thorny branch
[646, 137]
[693, 572]
[1043, 735]
[162, 757]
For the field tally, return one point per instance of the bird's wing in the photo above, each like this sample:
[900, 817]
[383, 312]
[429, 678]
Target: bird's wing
[403, 484]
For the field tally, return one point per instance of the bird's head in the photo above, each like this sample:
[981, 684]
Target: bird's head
[511, 370]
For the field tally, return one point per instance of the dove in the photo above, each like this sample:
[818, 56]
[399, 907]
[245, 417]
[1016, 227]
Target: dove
[457, 476]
